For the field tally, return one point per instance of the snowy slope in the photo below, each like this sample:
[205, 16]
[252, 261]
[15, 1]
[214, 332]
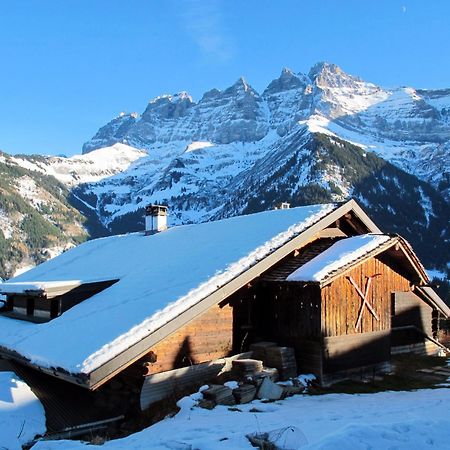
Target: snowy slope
[22, 416]
[386, 420]
[36, 218]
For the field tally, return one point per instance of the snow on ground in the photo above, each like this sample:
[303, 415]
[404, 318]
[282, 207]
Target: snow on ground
[338, 255]
[198, 145]
[385, 420]
[22, 416]
[148, 293]
[29, 190]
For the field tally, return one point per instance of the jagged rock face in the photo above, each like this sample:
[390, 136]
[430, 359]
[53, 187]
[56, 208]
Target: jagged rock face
[112, 133]
[238, 114]
[405, 126]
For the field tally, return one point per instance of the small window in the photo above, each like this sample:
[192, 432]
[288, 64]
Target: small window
[43, 301]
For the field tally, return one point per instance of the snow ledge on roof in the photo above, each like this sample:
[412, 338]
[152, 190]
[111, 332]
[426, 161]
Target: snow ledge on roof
[337, 256]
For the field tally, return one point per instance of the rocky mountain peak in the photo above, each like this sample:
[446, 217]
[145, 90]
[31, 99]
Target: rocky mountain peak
[210, 95]
[325, 75]
[169, 106]
[287, 81]
[241, 86]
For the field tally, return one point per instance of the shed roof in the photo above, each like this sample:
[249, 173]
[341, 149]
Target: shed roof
[160, 278]
[339, 255]
[432, 297]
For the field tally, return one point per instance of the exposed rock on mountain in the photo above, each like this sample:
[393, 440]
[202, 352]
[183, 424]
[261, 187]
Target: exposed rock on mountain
[405, 126]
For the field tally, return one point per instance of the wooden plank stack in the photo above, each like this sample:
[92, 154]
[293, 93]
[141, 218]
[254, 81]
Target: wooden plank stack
[283, 359]
[245, 393]
[245, 368]
[219, 394]
[259, 349]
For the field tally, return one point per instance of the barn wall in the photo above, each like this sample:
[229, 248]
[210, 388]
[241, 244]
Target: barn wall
[341, 302]
[206, 338]
[294, 312]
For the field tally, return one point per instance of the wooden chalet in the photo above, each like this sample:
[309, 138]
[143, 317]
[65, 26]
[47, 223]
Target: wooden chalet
[321, 279]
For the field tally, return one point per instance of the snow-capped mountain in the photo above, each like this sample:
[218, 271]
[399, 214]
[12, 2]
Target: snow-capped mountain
[89, 168]
[307, 138]
[408, 127]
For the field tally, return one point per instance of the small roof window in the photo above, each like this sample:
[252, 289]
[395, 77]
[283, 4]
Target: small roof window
[43, 301]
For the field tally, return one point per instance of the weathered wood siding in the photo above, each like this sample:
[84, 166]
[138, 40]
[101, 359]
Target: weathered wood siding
[206, 338]
[341, 302]
[292, 312]
[411, 311]
[289, 314]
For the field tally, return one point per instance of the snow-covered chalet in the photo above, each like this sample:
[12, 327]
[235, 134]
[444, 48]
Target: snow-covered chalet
[323, 279]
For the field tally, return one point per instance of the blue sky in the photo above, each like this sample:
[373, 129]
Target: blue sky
[68, 67]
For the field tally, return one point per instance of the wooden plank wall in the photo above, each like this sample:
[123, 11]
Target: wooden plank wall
[174, 383]
[289, 314]
[296, 312]
[341, 303]
[206, 338]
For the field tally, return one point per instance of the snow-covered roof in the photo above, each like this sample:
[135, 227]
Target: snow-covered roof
[160, 277]
[49, 289]
[339, 255]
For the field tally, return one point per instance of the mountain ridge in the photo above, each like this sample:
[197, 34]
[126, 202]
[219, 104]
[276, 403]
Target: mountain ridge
[403, 125]
[324, 136]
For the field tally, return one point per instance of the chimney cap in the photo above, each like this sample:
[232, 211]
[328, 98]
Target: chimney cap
[282, 205]
[156, 210]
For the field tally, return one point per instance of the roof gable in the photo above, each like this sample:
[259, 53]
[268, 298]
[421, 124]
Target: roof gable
[349, 252]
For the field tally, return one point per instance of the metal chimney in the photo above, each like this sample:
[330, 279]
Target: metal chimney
[155, 219]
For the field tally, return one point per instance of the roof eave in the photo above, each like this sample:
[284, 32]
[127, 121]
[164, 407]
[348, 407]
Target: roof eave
[78, 379]
[434, 299]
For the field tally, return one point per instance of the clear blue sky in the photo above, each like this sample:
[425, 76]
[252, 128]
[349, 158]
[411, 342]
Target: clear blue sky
[69, 66]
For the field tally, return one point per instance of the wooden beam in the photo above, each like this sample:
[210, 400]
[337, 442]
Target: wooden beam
[331, 232]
